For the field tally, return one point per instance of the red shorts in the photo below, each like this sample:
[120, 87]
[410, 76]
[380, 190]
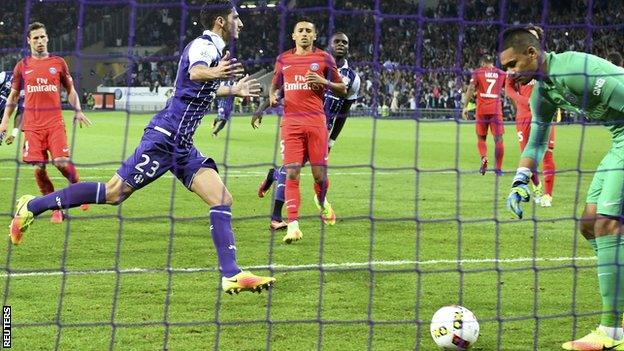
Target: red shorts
[523, 130]
[37, 144]
[301, 142]
[493, 122]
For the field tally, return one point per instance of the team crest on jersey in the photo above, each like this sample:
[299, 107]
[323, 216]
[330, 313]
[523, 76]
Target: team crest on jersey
[314, 66]
[52, 70]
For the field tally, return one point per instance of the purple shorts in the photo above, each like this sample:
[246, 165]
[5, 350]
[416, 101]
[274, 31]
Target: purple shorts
[158, 153]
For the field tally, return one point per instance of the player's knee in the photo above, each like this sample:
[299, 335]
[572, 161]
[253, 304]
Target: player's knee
[227, 199]
[608, 225]
[60, 164]
[224, 198]
[293, 173]
[588, 221]
[117, 191]
[319, 177]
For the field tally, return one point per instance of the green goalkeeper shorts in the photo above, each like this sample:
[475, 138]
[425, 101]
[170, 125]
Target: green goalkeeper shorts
[607, 187]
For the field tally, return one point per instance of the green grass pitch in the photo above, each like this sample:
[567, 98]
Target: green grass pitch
[389, 262]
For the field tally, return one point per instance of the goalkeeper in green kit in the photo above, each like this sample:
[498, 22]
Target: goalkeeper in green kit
[587, 84]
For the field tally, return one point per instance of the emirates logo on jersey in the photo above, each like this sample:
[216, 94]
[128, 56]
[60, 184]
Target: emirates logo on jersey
[42, 86]
[314, 67]
[300, 84]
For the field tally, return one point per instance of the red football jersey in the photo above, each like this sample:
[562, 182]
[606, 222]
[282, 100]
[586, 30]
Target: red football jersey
[303, 105]
[489, 82]
[521, 95]
[41, 80]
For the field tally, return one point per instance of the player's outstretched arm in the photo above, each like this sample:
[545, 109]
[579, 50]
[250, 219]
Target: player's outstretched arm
[227, 68]
[246, 87]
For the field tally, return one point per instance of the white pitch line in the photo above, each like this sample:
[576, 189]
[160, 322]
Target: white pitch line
[306, 266]
[250, 174]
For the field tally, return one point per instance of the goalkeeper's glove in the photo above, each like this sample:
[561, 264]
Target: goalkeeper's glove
[519, 191]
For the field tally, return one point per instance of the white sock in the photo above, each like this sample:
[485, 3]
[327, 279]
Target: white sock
[613, 333]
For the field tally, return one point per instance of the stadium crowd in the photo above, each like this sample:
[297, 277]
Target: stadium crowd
[417, 57]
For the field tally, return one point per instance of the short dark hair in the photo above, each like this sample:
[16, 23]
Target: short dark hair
[35, 26]
[213, 9]
[520, 38]
[615, 58]
[304, 19]
[486, 59]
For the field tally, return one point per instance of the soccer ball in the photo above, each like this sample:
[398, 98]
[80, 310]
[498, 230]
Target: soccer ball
[454, 328]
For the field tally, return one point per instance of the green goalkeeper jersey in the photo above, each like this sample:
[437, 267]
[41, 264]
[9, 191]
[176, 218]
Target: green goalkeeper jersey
[578, 82]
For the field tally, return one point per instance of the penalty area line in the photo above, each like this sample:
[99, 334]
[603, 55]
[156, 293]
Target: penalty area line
[305, 266]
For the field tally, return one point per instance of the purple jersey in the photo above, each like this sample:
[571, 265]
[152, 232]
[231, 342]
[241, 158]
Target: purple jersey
[167, 143]
[191, 100]
[332, 104]
[6, 79]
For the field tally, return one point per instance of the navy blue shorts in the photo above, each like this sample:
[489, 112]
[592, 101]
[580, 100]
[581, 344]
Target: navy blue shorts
[158, 153]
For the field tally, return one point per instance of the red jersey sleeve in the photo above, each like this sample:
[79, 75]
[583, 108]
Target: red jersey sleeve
[17, 76]
[66, 78]
[278, 75]
[510, 90]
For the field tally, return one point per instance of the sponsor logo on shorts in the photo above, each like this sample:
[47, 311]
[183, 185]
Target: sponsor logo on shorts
[58, 202]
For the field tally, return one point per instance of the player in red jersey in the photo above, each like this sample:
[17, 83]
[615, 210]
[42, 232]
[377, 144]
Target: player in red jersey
[488, 81]
[304, 73]
[41, 75]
